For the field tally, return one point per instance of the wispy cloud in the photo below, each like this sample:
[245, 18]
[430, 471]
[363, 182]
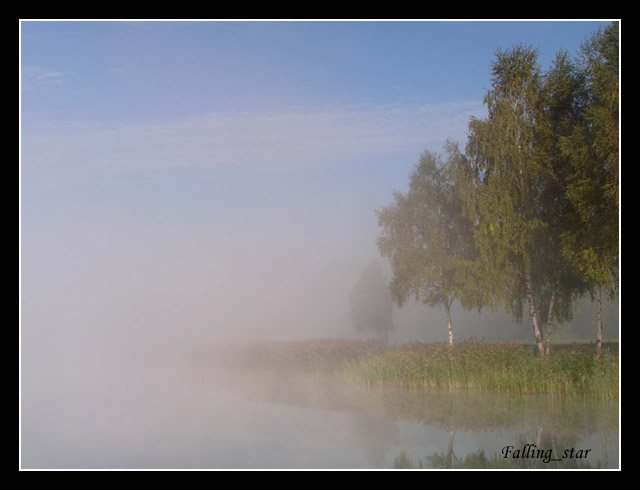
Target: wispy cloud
[37, 76]
[276, 141]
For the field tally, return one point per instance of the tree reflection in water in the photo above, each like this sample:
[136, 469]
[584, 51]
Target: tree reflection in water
[548, 452]
[533, 424]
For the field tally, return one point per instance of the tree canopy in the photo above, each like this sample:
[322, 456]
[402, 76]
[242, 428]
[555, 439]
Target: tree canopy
[423, 235]
[527, 215]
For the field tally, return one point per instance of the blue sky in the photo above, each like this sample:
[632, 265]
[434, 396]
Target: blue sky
[116, 102]
[164, 164]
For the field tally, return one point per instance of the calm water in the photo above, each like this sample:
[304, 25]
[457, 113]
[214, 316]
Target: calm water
[173, 415]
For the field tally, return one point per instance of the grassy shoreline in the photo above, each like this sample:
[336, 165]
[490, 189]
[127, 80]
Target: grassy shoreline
[572, 369]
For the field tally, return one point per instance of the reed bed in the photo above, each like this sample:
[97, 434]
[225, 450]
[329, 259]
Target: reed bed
[505, 367]
[499, 367]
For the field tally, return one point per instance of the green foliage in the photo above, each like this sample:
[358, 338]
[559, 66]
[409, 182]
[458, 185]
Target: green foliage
[426, 237]
[590, 146]
[539, 181]
[526, 217]
[509, 181]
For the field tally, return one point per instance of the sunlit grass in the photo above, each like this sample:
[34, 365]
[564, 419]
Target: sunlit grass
[572, 370]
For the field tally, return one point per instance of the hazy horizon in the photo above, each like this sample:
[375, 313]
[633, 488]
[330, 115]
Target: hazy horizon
[172, 170]
[186, 183]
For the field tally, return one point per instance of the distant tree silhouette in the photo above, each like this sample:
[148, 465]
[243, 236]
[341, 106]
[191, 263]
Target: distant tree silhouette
[371, 305]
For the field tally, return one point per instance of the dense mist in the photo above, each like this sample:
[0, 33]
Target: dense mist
[191, 186]
[116, 308]
[114, 311]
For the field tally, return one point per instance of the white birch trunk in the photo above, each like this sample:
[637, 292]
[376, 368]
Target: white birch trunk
[535, 317]
[447, 307]
[549, 322]
[600, 322]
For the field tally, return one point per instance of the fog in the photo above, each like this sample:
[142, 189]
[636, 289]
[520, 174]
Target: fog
[151, 282]
[126, 278]
[114, 306]
[186, 187]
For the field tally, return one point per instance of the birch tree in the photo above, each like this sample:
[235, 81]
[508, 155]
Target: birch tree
[510, 193]
[591, 237]
[425, 239]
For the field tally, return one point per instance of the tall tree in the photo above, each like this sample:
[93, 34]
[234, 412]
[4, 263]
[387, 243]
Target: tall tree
[511, 193]
[423, 236]
[561, 102]
[591, 237]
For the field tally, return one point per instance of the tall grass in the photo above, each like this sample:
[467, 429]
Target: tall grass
[503, 367]
[499, 367]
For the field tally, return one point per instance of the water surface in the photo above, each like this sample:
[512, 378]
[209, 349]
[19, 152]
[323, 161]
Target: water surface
[168, 413]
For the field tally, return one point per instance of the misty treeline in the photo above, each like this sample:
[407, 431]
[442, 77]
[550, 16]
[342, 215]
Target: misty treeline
[525, 215]
[370, 304]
